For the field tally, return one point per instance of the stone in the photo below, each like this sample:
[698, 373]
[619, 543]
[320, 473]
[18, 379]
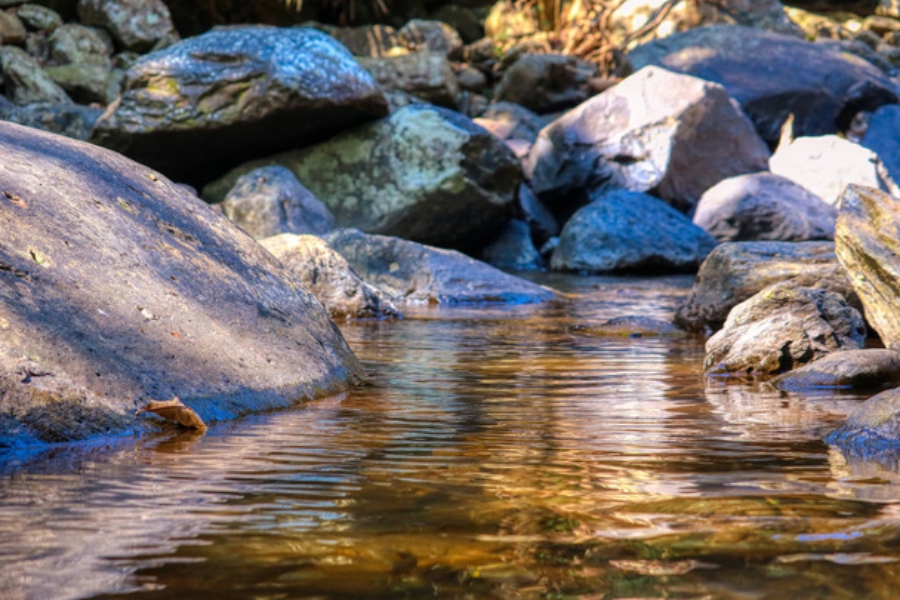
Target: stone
[136, 25]
[76, 44]
[471, 79]
[12, 31]
[211, 102]
[867, 243]
[268, 201]
[413, 272]
[541, 221]
[431, 35]
[425, 75]
[781, 328]
[68, 119]
[872, 427]
[513, 249]
[83, 82]
[883, 138]
[764, 207]
[773, 76]
[628, 231]
[546, 82]
[674, 134]
[736, 271]
[118, 288]
[509, 121]
[38, 18]
[853, 369]
[24, 82]
[463, 20]
[329, 277]
[425, 173]
[634, 326]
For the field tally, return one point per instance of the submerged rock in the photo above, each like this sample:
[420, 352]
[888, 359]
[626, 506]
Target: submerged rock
[857, 369]
[118, 287]
[635, 327]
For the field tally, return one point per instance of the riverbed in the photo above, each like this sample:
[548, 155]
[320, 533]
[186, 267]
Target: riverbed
[495, 452]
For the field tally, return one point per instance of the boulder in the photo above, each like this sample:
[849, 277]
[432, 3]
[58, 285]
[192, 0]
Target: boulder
[38, 18]
[883, 138]
[469, 78]
[874, 426]
[425, 75]
[408, 271]
[76, 44]
[628, 231]
[825, 165]
[213, 101]
[541, 222]
[71, 120]
[764, 206]
[329, 277]
[507, 121]
[24, 82]
[781, 328]
[513, 249]
[137, 25]
[736, 271]
[773, 76]
[83, 82]
[546, 82]
[269, 201]
[431, 35]
[425, 173]
[656, 130]
[117, 287]
[857, 369]
[867, 242]
[12, 31]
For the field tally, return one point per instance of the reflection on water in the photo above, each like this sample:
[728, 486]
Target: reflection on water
[495, 453]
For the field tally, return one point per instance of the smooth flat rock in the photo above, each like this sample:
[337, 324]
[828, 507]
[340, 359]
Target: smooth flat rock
[118, 287]
[858, 369]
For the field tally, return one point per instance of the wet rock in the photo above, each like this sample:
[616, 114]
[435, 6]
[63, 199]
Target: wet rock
[137, 25]
[656, 130]
[781, 328]
[825, 165]
[120, 288]
[627, 231]
[425, 173]
[425, 75]
[12, 31]
[414, 272]
[329, 277]
[873, 426]
[858, 369]
[635, 327]
[513, 248]
[763, 206]
[736, 271]
[70, 120]
[24, 82]
[38, 18]
[546, 82]
[83, 82]
[76, 44]
[211, 102]
[883, 138]
[507, 121]
[773, 76]
[431, 35]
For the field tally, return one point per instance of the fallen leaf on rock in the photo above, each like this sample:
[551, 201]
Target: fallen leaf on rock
[174, 410]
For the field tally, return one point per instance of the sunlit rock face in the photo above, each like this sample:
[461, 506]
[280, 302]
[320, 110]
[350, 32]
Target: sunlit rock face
[118, 287]
[210, 102]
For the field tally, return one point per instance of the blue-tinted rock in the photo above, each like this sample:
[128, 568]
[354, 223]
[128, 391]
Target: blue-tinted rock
[883, 138]
[513, 248]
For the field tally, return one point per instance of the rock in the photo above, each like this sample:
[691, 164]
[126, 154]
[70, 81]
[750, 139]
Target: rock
[508, 121]
[867, 243]
[433, 36]
[634, 327]
[883, 138]
[12, 31]
[426, 75]
[38, 18]
[736, 271]
[825, 165]
[763, 206]
[76, 44]
[368, 40]
[863, 50]
[546, 82]
[83, 82]
[513, 249]
[627, 231]
[781, 328]
[872, 427]
[656, 130]
[414, 272]
[120, 288]
[858, 369]
[137, 25]
[71, 120]
[211, 102]
[773, 76]
[540, 220]
[329, 277]
[269, 201]
[471, 79]
[23, 80]
[425, 173]
[461, 19]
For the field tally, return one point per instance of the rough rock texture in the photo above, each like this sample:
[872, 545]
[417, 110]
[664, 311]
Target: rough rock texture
[859, 369]
[425, 75]
[117, 287]
[425, 174]
[329, 277]
[513, 248]
[780, 328]
[269, 201]
[85, 83]
[70, 120]
[867, 242]
[773, 76]
[656, 130]
[12, 31]
[546, 82]
[76, 44]
[24, 82]
[137, 25]
[213, 101]
[415, 272]
[511, 121]
[871, 427]
[38, 18]
[883, 138]
[763, 206]
[736, 271]
[825, 165]
[622, 230]
[430, 35]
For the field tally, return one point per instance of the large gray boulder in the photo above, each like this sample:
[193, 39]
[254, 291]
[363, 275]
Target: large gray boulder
[626, 231]
[213, 101]
[773, 76]
[408, 271]
[137, 25]
[781, 328]
[24, 82]
[425, 173]
[856, 369]
[119, 287]
[656, 130]
[736, 271]
[764, 206]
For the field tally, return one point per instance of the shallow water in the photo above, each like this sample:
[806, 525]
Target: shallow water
[496, 452]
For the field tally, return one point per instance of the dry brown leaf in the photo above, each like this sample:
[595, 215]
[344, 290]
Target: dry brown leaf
[174, 410]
